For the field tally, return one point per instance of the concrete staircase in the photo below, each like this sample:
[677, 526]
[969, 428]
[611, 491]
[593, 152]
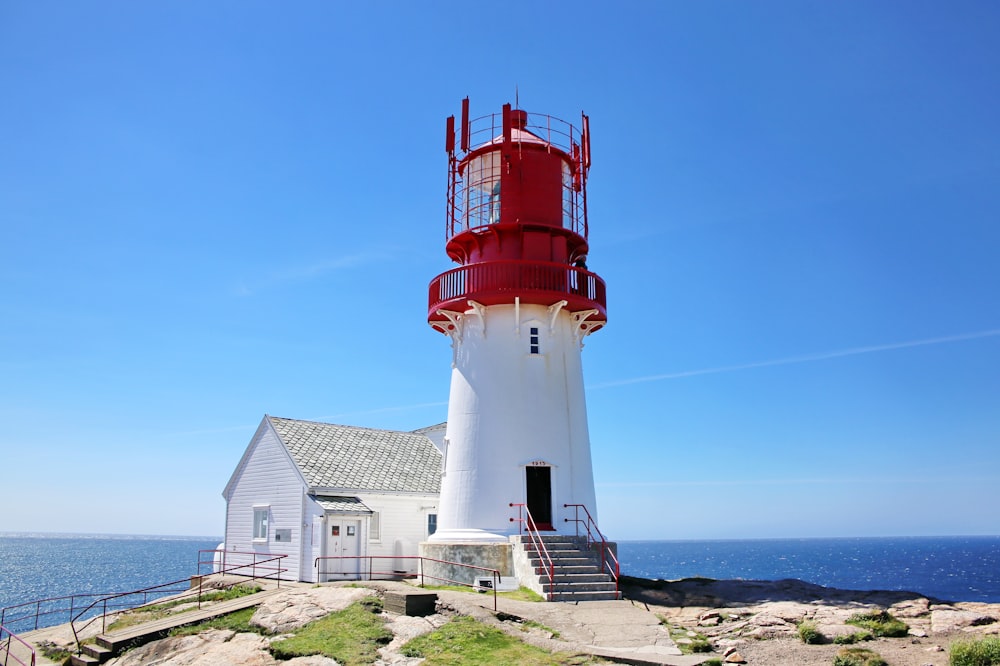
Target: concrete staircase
[578, 575]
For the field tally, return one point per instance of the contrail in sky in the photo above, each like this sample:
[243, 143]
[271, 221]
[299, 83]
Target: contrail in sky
[820, 356]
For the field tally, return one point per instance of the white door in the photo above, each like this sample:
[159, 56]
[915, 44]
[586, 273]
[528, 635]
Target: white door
[343, 542]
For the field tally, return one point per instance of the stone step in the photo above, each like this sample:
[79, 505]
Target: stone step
[570, 569]
[564, 561]
[557, 552]
[83, 660]
[98, 652]
[603, 586]
[563, 577]
[556, 545]
[584, 596]
[550, 538]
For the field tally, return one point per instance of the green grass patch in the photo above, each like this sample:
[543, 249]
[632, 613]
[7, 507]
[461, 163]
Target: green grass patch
[689, 642]
[234, 592]
[809, 634]
[238, 621]
[983, 652]
[531, 624]
[712, 662]
[464, 640]
[520, 594]
[53, 652]
[851, 639]
[156, 611]
[880, 623]
[351, 636]
[858, 657]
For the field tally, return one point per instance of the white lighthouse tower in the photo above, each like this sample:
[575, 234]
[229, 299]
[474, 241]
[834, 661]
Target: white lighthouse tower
[517, 309]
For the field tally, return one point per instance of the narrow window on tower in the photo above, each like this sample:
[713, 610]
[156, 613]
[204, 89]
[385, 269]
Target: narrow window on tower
[533, 340]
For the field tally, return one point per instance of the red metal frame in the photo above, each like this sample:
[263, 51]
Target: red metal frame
[530, 528]
[495, 282]
[516, 214]
[268, 572]
[491, 131]
[5, 648]
[392, 575]
[605, 549]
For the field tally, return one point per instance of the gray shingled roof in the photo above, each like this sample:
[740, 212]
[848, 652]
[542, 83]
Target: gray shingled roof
[335, 456]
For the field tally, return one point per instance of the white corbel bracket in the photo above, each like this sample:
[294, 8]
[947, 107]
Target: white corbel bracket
[583, 327]
[479, 310]
[454, 330]
[553, 313]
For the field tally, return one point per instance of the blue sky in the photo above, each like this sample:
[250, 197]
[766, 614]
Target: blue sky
[213, 211]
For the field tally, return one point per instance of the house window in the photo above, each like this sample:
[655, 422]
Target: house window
[533, 340]
[260, 523]
[432, 523]
[375, 527]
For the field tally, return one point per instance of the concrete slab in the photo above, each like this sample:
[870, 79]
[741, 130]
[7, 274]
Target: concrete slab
[618, 630]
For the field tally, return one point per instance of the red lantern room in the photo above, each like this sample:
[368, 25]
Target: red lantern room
[517, 216]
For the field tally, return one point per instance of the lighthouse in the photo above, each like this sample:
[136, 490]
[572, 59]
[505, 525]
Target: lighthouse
[517, 309]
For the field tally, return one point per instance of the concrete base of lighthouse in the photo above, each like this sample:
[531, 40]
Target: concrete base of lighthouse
[445, 570]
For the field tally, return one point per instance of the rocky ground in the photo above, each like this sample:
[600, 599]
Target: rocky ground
[749, 622]
[281, 614]
[759, 619]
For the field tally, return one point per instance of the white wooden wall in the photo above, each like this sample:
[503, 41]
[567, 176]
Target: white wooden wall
[269, 477]
[403, 517]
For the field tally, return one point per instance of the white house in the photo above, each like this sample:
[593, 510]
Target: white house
[308, 490]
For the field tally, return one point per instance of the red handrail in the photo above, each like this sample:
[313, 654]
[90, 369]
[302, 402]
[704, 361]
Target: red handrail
[161, 589]
[605, 549]
[537, 542]
[253, 564]
[499, 281]
[5, 650]
[393, 574]
[42, 607]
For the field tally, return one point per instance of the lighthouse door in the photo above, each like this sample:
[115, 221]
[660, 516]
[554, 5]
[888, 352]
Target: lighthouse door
[538, 483]
[344, 544]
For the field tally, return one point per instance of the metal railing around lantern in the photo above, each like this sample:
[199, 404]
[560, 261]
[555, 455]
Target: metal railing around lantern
[497, 281]
[469, 209]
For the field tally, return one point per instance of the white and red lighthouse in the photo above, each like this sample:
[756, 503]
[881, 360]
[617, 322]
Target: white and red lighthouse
[517, 309]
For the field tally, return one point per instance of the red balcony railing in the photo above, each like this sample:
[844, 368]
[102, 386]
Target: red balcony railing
[496, 282]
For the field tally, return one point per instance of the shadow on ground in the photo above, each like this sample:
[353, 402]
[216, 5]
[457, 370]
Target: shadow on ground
[709, 593]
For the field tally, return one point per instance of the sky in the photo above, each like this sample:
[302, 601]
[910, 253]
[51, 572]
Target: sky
[213, 211]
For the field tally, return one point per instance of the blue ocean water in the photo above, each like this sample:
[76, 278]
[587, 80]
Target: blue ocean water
[42, 566]
[947, 568]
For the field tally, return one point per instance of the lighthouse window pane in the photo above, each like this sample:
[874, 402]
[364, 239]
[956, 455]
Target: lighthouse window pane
[432, 523]
[375, 527]
[533, 341]
[260, 524]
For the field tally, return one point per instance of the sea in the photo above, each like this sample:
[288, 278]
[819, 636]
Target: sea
[42, 566]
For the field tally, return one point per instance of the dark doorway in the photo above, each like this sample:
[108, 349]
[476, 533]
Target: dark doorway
[539, 483]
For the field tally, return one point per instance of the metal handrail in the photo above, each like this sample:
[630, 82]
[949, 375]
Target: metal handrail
[493, 281]
[253, 565]
[605, 549]
[41, 608]
[162, 589]
[6, 651]
[531, 529]
[393, 574]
